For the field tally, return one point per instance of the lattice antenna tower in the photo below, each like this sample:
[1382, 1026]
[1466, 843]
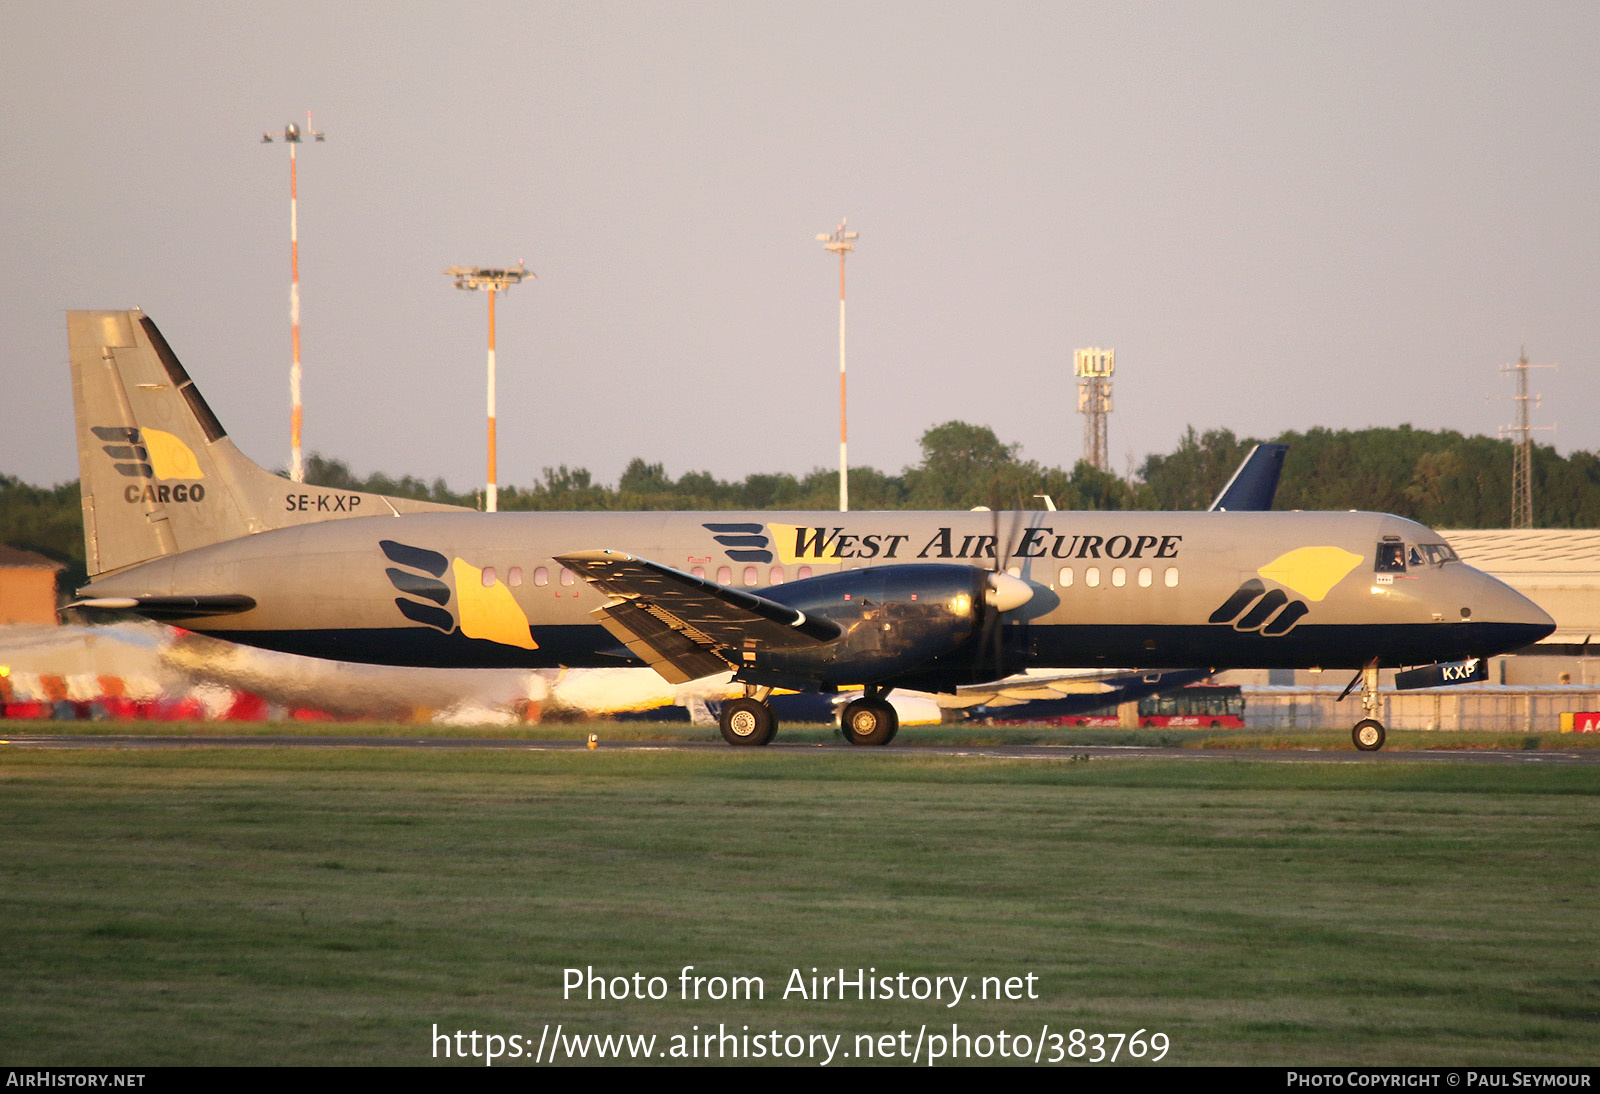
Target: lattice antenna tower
[1094, 367]
[1522, 434]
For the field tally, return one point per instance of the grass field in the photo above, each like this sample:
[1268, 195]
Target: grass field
[1333, 738]
[249, 906]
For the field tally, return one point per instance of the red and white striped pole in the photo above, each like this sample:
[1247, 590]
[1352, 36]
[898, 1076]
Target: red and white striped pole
[291, 137]
[297, 467]
[492, 495]
[841, 242]
[488, 280]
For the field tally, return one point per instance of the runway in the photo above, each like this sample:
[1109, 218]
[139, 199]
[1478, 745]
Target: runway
[900, 748]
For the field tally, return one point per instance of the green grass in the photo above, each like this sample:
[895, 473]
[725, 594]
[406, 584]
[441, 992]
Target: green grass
[910, 736]
[309, 907]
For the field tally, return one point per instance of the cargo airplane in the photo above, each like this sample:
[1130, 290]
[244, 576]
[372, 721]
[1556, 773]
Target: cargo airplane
[181, 527]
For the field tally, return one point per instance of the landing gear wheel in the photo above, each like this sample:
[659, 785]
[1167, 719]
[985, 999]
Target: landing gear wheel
[747, 722]
[1368, 735]
[869, 722]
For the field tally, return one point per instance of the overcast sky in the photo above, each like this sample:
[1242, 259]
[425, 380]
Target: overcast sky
[1281, 215]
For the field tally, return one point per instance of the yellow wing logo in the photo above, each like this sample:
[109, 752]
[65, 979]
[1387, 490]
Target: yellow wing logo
[1311, 572]
[170, 458]
[489, 611]
[486, 610]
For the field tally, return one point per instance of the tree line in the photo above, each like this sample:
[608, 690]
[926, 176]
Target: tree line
[1439, 478]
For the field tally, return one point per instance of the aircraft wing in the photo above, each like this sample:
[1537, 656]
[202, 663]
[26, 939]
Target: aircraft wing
[1028, 687]
[686, 627]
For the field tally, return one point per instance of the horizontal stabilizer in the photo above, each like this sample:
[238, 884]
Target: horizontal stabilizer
[166, 608]
[686, 627]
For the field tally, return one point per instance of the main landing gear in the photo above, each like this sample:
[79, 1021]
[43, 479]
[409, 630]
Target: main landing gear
[749, 721]
[870, 720]
[1367, 734]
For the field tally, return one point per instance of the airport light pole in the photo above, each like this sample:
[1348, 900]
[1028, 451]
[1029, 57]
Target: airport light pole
[491, 281]
[841, 243]
[291, 137]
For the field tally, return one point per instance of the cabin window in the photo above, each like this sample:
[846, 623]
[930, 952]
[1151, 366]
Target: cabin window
[514, 575]
[541, 575]
[488, 577]
[724, 575]
[751, 576]
[1145, 577]
[699, 571]
[1091, 577]
[1119, 576]
[567, 576]
[1064, 578]
[1171, 577]
[775, 576]
[1391, 558]
[802, 573]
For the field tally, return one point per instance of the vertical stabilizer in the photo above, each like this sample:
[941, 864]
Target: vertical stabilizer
[158, 472]
[1255, 484]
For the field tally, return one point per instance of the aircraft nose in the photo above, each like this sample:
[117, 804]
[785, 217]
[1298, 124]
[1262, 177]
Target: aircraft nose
[1517, 620]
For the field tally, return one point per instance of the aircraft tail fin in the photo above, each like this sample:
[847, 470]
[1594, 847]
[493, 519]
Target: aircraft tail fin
[1255, 484]
[158, 472]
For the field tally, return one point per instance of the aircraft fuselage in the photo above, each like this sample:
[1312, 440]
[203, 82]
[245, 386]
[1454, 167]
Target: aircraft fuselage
[1144, 589]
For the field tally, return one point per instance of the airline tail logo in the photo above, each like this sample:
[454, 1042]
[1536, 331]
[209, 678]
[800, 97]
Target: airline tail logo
[152, 454]
[1310, 572]
[487, 611]
[148, 453]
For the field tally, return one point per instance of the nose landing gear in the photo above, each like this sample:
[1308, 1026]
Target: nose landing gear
[1367, 734]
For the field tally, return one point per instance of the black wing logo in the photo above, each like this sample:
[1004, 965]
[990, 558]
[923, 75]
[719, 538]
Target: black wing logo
[425, 586]
[742, 542]
[1253, 608]
[127, 450]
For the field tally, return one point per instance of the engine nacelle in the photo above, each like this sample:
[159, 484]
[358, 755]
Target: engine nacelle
[898, 621]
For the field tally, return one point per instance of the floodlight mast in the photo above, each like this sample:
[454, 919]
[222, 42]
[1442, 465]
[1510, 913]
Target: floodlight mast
[841, 243]
[292, 137]
[485, 279]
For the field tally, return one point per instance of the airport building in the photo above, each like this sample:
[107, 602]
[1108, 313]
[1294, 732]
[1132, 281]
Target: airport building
[27, 587]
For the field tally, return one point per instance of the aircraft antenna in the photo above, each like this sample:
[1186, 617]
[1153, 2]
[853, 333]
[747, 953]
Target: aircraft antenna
[490, 280]
[292, 135]
[1522, 457]
[1094, 367]
[841, 243]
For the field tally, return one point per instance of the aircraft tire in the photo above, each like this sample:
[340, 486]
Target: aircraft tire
[1368, 735]
[869, 722]
[747, 722]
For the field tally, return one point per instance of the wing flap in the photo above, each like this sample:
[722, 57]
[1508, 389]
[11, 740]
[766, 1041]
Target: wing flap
[686, 627]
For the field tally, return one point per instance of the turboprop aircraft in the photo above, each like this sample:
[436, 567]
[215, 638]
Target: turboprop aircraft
[181, 527]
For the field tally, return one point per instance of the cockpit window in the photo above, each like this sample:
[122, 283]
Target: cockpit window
[1440, 553]
[1413, 557]
[1391, 558]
